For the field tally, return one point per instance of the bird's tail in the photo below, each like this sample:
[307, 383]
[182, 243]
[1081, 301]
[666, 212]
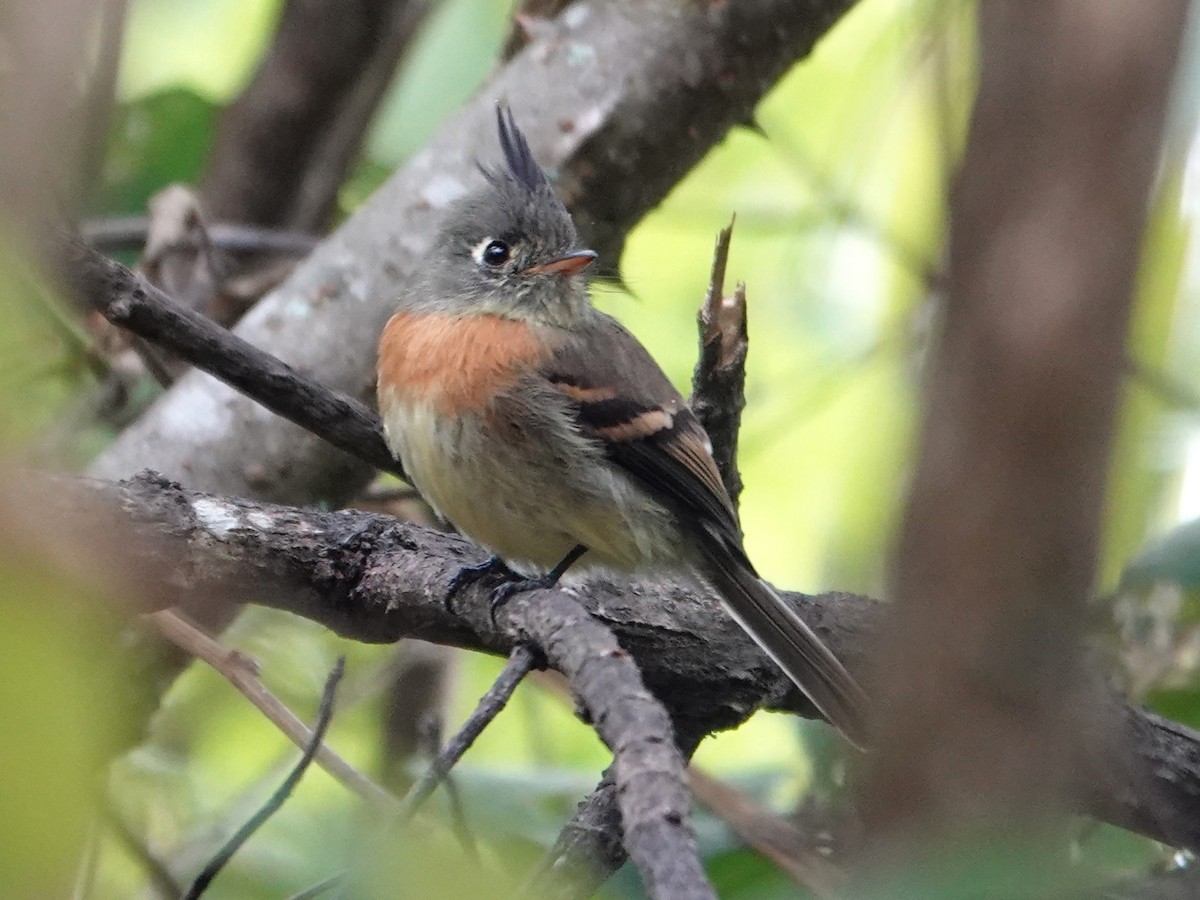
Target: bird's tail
[786, 638]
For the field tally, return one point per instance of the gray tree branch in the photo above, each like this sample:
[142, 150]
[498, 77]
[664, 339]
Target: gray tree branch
[374, 579]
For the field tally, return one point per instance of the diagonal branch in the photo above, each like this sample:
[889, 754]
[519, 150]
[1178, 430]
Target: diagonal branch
[520, 662]
[130, 301]
[276, 800]
[648, 768]
[773, 837]
[240, 672]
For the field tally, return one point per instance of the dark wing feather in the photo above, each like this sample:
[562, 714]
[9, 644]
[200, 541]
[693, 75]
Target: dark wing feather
[623, 400]
[677, 465]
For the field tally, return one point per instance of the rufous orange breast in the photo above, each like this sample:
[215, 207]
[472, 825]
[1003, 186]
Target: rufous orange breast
[455, 364]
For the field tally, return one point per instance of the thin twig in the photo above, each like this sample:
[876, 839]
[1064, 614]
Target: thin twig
[775, 838]
[431, 739]
[719, 380]
[130, 232]
[458, 819]
[131, 302]
[268, 809]
[320, 887]
[238, 670]
[161, 879]
[520, 662]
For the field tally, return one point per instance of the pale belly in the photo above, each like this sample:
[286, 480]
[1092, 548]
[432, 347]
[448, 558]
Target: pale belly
[527, 504]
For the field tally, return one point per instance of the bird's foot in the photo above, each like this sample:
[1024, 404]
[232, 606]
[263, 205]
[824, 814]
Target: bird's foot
[467, 575]
[519, 585]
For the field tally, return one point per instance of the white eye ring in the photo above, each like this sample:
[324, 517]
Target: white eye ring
[491, 252]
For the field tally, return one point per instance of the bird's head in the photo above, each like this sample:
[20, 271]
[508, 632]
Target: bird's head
[510, 249]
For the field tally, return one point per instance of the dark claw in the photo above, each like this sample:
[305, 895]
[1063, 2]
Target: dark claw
[492, 566]
[505, 592]
[519, 585]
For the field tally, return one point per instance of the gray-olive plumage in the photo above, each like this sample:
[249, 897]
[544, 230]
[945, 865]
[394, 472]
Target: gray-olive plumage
[537, 424]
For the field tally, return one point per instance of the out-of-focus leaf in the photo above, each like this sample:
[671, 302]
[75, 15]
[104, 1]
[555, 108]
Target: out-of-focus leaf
[62, 698]
[210, 47]
[155, 140]
[1180, 704]
[742, 874]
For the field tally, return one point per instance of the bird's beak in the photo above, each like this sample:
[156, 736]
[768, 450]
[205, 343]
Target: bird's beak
[568, 264]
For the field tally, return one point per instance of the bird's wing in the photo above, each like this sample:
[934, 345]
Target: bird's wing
[622, 399]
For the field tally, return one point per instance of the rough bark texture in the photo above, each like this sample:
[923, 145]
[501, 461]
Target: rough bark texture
[982, 698]
[620, 98]
[652, 796]
[374, 579]
[719, 379]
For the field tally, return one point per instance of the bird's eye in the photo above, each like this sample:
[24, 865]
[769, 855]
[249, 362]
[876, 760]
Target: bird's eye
[496, 253]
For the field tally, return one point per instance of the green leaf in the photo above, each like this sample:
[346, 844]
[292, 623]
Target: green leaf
[157, 140]
[742, 874]
[1180, 704]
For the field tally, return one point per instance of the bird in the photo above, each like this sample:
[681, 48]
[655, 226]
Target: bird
[543, 430]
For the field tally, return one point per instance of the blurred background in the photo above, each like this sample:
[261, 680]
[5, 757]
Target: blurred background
[839, 187]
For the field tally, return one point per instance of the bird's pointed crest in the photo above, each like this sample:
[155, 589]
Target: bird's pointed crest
[521, 164]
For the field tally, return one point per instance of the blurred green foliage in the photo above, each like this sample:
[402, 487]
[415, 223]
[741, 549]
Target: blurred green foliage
[61, 686]
[840, 203]
[158, 139]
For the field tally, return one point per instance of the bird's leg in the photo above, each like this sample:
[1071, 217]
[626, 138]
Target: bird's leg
[508, 590]
[493, 565]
